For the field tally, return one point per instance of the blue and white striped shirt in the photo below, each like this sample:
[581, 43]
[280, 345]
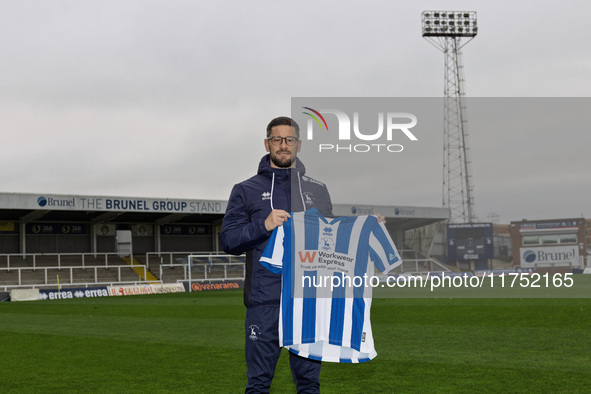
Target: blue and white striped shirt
[327, 282]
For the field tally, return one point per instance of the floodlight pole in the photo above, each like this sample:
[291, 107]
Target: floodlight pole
[445, 30]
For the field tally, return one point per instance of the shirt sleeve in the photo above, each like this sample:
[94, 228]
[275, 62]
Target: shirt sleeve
[383, 252]
[240, 232]
[272, 258]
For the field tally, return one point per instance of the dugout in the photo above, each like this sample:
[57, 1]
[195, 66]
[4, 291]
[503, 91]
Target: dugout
[48, 223]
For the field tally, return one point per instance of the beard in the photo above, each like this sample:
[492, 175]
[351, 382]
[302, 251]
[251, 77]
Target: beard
[281, 161]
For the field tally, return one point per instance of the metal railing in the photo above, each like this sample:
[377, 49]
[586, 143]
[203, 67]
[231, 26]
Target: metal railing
[195, 266]
[203, 272]
[69, 279]
[59, 257]
[208, 268]
[420, 263]
[172, 256]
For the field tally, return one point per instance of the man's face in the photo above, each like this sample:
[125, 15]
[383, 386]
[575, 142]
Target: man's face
[283, 155]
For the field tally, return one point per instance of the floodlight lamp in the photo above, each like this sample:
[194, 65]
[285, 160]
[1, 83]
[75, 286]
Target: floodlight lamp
[446, 25]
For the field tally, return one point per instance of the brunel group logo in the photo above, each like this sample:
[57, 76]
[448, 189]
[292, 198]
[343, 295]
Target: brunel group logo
[350, 137]
[529, 256]
[43, 201]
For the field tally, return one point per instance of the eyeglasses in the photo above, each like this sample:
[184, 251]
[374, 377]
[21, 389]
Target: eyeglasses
[276, 141]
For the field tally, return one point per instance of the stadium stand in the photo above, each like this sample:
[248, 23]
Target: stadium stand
[76, 238]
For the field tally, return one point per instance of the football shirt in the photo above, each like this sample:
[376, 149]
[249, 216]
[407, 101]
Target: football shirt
[327, 271]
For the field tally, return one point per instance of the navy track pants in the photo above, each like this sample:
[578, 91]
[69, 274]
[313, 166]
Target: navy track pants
[262, 352]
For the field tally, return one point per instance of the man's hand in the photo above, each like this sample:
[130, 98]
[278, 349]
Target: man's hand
[276, 218]
[381, 219]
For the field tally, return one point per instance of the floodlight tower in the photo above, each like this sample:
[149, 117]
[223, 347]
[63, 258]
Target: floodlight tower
[445, 30]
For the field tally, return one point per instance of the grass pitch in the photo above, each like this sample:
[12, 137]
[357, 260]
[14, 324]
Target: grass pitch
[194, 342]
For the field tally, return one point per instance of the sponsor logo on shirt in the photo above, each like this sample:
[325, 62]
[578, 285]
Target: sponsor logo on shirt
[307, 256]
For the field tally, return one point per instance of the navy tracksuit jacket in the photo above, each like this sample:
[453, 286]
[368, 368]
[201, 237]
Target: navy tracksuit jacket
[243, 227]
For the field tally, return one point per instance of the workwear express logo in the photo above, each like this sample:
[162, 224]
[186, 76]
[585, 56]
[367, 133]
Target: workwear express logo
[349, 136]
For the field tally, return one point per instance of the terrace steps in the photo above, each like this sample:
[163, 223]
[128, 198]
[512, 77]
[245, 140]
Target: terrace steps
[137, 266]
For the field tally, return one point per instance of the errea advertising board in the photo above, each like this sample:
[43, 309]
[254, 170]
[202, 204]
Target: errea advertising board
[103, 203]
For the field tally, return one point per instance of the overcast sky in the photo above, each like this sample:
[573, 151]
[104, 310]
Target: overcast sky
[171, 98]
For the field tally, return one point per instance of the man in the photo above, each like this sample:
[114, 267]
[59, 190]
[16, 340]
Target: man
[255, 208]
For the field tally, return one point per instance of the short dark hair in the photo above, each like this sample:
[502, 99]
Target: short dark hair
[283, 121]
